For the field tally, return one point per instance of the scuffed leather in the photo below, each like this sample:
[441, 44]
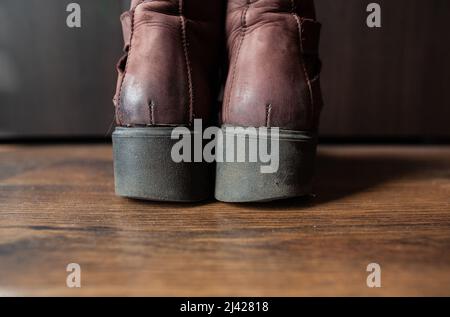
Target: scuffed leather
[171, 61]
[274, 68]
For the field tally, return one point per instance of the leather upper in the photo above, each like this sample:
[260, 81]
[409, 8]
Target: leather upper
[273, 78]
[171, 60]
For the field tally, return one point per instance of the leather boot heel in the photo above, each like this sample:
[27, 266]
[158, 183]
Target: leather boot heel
[144, 168]
[273, 81]
[288, 173]
[172, 57]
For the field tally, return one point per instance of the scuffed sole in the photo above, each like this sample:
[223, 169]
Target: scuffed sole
[144, 169]
[245, 182]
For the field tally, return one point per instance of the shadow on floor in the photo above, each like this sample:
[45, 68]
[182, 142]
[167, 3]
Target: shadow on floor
[345, 171]
[348, 173]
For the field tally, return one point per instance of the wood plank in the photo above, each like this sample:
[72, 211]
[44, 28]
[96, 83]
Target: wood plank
[383, 204]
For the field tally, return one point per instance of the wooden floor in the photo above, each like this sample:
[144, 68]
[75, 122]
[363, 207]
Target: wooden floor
[387, 205]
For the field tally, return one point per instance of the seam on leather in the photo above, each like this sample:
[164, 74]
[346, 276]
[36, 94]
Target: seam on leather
[187, 59]
[243, 28]
[268, 115]
[300, 35]
[119, 104]
[151, 111]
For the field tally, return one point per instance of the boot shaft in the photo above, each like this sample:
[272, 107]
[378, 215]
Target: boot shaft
[172, 56]
[274, 66]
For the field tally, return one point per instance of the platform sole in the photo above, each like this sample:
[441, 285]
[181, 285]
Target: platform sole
[144, 168]
[245, 182]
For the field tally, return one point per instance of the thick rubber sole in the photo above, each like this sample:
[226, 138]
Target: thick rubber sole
[144, 168]
[245, 182]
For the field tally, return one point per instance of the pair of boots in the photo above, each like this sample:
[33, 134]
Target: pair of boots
[168, 80]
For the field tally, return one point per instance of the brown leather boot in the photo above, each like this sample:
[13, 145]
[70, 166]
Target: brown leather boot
[166, 79]
[273, 82]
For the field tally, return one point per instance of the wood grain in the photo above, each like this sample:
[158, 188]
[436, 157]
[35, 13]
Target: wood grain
[389, 205]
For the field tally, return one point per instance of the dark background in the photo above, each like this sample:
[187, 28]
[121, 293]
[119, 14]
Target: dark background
[388, 83]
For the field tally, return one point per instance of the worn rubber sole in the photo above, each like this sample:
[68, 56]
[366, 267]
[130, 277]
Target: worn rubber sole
[144, 169]
[245, 182]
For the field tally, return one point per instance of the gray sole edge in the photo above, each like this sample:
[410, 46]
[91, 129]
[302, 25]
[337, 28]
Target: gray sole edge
[244, 182]
[144, 169]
